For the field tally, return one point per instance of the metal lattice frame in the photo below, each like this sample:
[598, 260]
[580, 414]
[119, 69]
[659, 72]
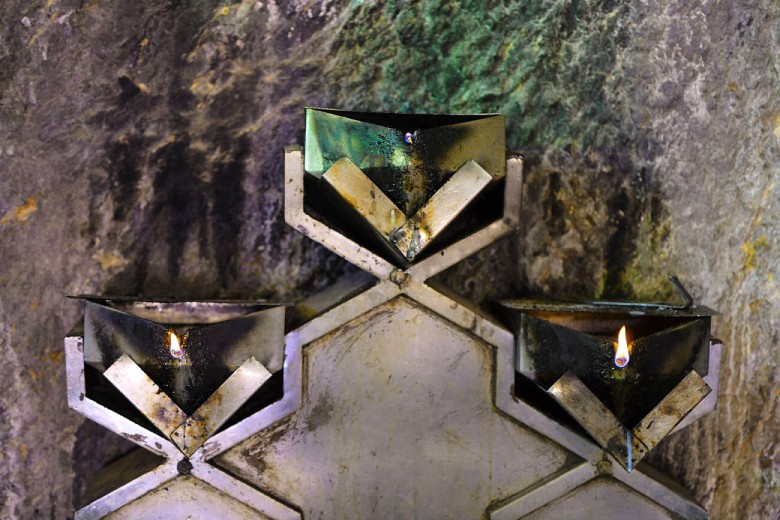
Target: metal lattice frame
[392, 283]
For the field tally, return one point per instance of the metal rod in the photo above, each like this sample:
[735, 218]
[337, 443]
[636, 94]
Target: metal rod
[684, 294]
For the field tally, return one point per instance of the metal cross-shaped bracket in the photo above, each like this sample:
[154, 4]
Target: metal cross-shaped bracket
[187, 432]
[179, 446]
[296, 442]
[360, 302]
[393, 281]
[628, 446]
[409, 236]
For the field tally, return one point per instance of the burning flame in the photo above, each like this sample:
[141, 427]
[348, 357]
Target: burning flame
[176, 348]
[622, 355]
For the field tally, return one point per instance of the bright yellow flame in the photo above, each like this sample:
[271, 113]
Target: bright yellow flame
[621, 352]
[176, 348]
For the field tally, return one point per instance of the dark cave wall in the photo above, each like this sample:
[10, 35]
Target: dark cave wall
[141, 153]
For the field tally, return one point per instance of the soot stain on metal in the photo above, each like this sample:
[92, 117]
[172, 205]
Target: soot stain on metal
[321, 413]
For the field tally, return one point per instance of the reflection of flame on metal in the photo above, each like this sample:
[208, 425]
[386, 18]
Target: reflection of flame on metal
[176, 348]
[622, 355]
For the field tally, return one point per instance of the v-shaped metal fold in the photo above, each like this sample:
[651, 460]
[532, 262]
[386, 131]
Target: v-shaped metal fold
[220, 406]
[145, 395]
[409, 235]
[628, 446]
[188, 433]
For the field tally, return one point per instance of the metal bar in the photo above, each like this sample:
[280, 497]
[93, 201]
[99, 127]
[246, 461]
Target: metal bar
[513, 191]
[544, 493]
[466, 247]
[341, 291]
[220, 406]
[440, 210]
[684, 294]
[78, 400]
[128, 429]
[712, 379]
[477, 324]
[451, 255]
[264, 504]
[590, 413]
[296, 217]
[293, 388]
[180, 312]
[129, 492]
[74, 370]
[336, 317]
[145, 395]
[662, 490]
[671, 410]
[598, 420]
[507, 401]
[365, 197]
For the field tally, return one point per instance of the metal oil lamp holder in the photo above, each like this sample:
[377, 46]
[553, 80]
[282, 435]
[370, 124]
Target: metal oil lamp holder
[401, 185]
[388, 396]
[567, 350]
[125, 373]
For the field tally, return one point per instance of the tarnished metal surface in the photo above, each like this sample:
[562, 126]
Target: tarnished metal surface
[409, 156]
[211, 352]
[663, 490]
[394, 182]
[410, 236]
[663, 349]
[603, 498]
[440, 210]
[187, 432]
[628, 445]
[396, 421]
[120, 472]
[341, 291]
[551, 344]
[543, 492]
[671, 410]
[598, 420]
[632, 309]
[132, 486]
[570, 494]
[296, 217]
[349, 247]
[182, 312]
[145, 395]
[398, 402]
[712, 379]
[185, 497]
[365, 197]
[412, 282]
[128, 492]
[262, 503]
[78, 401]
[220, 406]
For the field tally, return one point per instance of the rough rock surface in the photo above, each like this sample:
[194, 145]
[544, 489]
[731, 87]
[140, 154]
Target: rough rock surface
[140, 153]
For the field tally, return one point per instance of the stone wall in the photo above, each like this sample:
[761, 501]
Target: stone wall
[141, 154]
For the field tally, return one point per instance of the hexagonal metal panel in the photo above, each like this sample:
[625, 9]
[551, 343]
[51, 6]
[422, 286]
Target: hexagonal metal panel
[397, 420]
